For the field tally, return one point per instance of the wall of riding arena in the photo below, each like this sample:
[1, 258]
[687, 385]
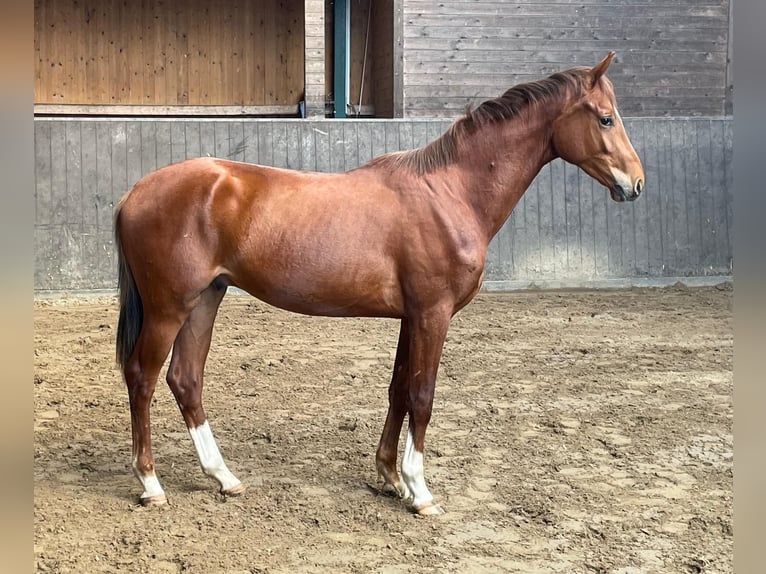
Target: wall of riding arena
[565, 231]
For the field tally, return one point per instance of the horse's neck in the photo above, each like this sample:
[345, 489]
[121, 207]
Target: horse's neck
[498, 164]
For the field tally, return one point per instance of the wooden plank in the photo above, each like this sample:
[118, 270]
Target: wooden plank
[293, 138]
[172, 60]
[419, 134]
[531, 215]
[237, 10]
[544, 181]
[513, 239]
[42, 61]
[728, 190]
[121, 72]
[308, 145]
[364, 142]
[587, 234]
[337, 149]
[378, 139]
[236, 140]
[133, 152]
[718, 185]
[638, 252]
[250, 134]
[322, 143]
[221, 139]
[599, 200]
[530, 29]
[162, 136]
[159, 60]
[207, 139]
[571, 200]
[502, 10]
[405, 136]
[483, 77]
[73, 148]
[192, 138]
[43, 183]
[392, 137]
[134, 45]
[706, 202]
[560, 251]
[567, 58]
[265, 143]
[130, 110]
[119, 162]
[148, 146]
[177, 142]
[652, 227]
[279, 142]
[104, 162]
[350, 145]
[93, 198]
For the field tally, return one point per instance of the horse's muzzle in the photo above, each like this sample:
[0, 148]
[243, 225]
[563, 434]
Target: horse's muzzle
[619, 193]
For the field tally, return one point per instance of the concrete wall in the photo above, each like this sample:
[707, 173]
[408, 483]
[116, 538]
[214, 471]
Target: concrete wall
[565, 231]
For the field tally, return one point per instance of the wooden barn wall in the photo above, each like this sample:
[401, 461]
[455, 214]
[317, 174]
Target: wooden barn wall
[150, 52]
[672, 55]
[565, 230]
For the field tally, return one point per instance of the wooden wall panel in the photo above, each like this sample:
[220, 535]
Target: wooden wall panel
[672, 56]
[564, 232]
[198, 52]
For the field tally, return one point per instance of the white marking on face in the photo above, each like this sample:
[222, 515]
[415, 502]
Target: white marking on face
[210, 458]
[150, 482]
[413, 474]
[622, 179]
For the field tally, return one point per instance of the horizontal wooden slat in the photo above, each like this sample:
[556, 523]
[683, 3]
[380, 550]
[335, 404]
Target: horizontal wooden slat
[117, 110]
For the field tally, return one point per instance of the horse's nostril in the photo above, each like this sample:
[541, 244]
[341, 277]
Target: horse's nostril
[639, 186]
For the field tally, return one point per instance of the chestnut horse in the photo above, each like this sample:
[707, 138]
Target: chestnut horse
[403, 236]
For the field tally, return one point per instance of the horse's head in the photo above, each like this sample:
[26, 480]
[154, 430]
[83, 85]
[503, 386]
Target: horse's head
[590, 134]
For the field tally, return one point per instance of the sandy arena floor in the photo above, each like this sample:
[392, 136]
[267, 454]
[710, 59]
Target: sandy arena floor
[573, 432]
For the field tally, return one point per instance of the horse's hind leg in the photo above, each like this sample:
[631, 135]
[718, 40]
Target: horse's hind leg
[185, 380]
[141, 372]
[385, 458]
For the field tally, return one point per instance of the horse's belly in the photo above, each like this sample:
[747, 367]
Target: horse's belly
[334, 294]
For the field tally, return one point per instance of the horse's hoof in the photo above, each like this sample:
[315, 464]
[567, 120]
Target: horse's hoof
[235, 490]
[154, 500]
[429, 509]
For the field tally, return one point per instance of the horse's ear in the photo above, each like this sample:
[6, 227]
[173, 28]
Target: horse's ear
[595, 73]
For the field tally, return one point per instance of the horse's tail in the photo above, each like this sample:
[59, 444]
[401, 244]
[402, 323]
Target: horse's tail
[131, 308]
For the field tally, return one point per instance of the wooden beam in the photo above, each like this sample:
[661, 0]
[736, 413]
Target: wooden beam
[127, 110]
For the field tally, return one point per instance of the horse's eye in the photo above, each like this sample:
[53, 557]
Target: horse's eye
[606, 121]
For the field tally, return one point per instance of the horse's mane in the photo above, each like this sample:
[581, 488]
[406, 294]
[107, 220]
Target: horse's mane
[443, 150]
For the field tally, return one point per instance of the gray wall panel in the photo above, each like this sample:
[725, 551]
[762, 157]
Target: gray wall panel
[564, 231]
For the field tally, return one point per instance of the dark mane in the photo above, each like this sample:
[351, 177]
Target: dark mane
[511, 104]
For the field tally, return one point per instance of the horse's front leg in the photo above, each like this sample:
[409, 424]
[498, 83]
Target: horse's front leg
[427, 333]
[398, 400]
